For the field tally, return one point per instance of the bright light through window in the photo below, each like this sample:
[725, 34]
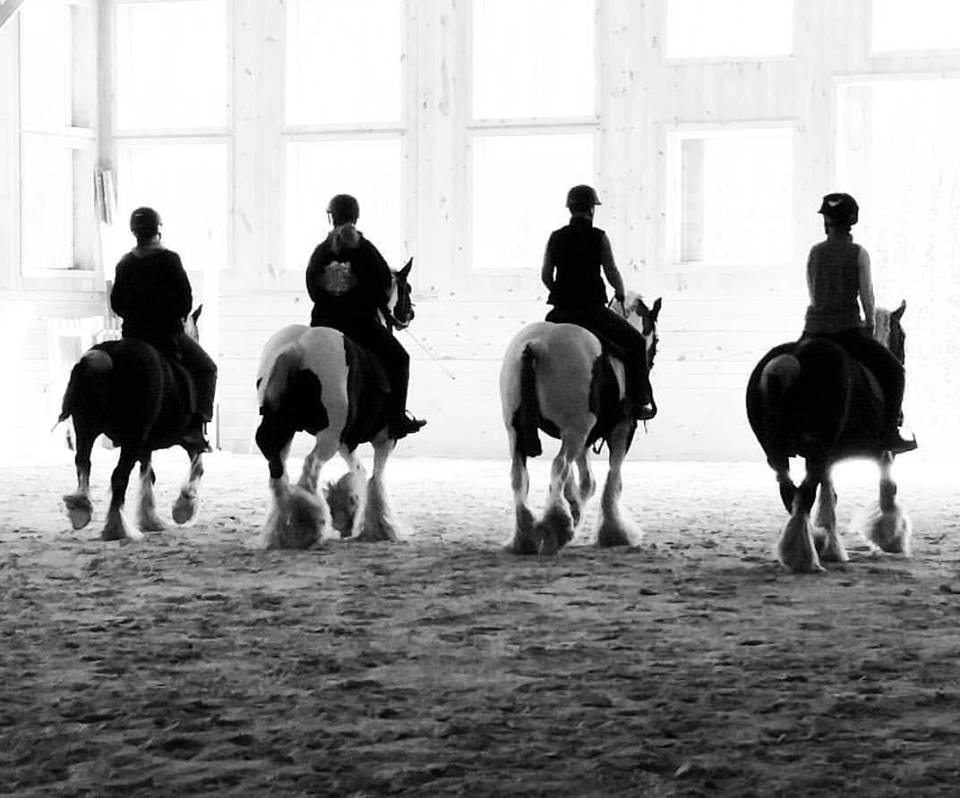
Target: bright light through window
[369, 170]
[186, 182]
[916, 25]
[533, 59]
[344, 61]
[729, 28]
[46, 34]
[520, 186]
[731, 183]
[47, 210]
[171, 64]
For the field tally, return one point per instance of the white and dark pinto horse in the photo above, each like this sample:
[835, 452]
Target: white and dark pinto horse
[143, 401]
[314, 379]
[811, 399]
[558, 379]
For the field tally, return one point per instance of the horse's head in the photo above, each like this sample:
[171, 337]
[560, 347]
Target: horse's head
[190, 323]
[399, 310]
[644, 319]
[889, 331]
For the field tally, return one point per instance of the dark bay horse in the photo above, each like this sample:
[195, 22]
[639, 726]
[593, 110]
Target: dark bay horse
[811, 399]
[557, 378]
[314, 379]
[143, 401]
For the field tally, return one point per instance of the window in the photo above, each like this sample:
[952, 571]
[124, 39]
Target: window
[534, 125]
[528, 172]
[367, 168]
[725, 182]
[729, 28]
[171, 65]
[533, 59]
[172, 134]
[344, 62]
[917, 25]
[345, 122]
[56, 137]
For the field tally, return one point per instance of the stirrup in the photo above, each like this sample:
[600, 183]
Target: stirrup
[895, 443]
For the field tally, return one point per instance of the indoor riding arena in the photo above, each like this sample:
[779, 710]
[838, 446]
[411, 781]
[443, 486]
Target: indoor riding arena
[331, 601]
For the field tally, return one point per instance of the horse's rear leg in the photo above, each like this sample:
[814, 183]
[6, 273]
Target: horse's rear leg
[578, 493]
[555, 529]
[523, 541]
[186, 503]
[116, 527]
[79, 507]
[379, 522]
[832, 548]
[615, 528]
[797, 548]
[147, 518]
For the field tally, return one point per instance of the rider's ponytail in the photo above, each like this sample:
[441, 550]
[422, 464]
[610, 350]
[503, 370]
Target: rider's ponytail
[344, 236]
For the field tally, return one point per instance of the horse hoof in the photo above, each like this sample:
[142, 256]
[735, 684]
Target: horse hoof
[184, 509]
[152, 525]
[79, 510]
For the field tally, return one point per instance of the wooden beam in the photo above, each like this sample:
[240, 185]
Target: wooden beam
[7, 9]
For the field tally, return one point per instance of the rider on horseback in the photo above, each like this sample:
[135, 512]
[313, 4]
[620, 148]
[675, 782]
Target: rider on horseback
[838, 273]
[151, 293]
[349, 283]
[572, 264]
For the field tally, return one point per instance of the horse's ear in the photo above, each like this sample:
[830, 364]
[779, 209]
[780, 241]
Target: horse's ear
[196, 314]
[405, 271]
[899, 311]
[655, 310]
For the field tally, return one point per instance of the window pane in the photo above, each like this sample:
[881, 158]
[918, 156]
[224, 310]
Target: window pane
[47, 209]
[533, 59]
[916, 25]
[725, 178]
[172, 64]
[529, 172]
[714, 28]
[46, 34]
[344, 61]
[369, 170]
[187, 184]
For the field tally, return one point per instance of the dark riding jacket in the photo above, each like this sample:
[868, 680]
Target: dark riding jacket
[576, 252]
[151, 293]
[348, 287]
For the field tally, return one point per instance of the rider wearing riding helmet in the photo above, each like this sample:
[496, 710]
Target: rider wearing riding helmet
[349, 283]
[151, 293]
[572, 264]
[838, 274]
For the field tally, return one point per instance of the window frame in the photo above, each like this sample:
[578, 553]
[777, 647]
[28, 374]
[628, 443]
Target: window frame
[673, 195]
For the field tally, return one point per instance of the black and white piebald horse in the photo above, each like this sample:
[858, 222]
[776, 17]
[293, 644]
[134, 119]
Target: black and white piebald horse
[558, 379]
[143, 401]
[813, 400]
[315, 379]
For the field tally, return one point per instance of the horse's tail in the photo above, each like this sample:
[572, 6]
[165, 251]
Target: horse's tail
[87, 388]
[527, 417]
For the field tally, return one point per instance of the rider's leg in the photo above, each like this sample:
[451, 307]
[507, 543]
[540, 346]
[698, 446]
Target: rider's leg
[204, 372]
[396, 363]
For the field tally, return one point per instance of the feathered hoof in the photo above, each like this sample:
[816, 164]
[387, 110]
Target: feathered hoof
[522, 544]
[117, 528]
[617, 532]
[797, 549]
[296, 523]
[553, 531]
[887, 530]
[151, 523]
[79, 509]
[185, 507]
[343, 498]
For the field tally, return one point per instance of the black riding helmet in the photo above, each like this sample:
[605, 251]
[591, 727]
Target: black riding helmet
[343, 209]
[582, 198]
[841, 209]
[144, 222]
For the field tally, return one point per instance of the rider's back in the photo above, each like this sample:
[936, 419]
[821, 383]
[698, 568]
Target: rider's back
[832, 272]
[152, 294]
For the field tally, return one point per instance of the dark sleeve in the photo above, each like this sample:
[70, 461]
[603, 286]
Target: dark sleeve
[380, 276]
[181, 293]
[120, 293]
[313, 274]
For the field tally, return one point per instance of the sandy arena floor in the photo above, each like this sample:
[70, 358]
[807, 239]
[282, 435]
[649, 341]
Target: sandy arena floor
[693, 665]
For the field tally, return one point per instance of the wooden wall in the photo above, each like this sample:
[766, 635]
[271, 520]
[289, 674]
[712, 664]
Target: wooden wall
[715, 322]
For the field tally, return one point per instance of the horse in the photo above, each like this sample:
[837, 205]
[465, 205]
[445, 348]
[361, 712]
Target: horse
[812, 399]
[142, 401]
[558, 378]
[315, 379]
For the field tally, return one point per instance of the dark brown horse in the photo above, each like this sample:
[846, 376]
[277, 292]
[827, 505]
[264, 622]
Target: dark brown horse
[143, 401]
[811, 399]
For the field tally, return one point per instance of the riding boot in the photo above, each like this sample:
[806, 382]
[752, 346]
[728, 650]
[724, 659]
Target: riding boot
[893, 441]
[639, 403]
[196, 434]
[405, 424]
